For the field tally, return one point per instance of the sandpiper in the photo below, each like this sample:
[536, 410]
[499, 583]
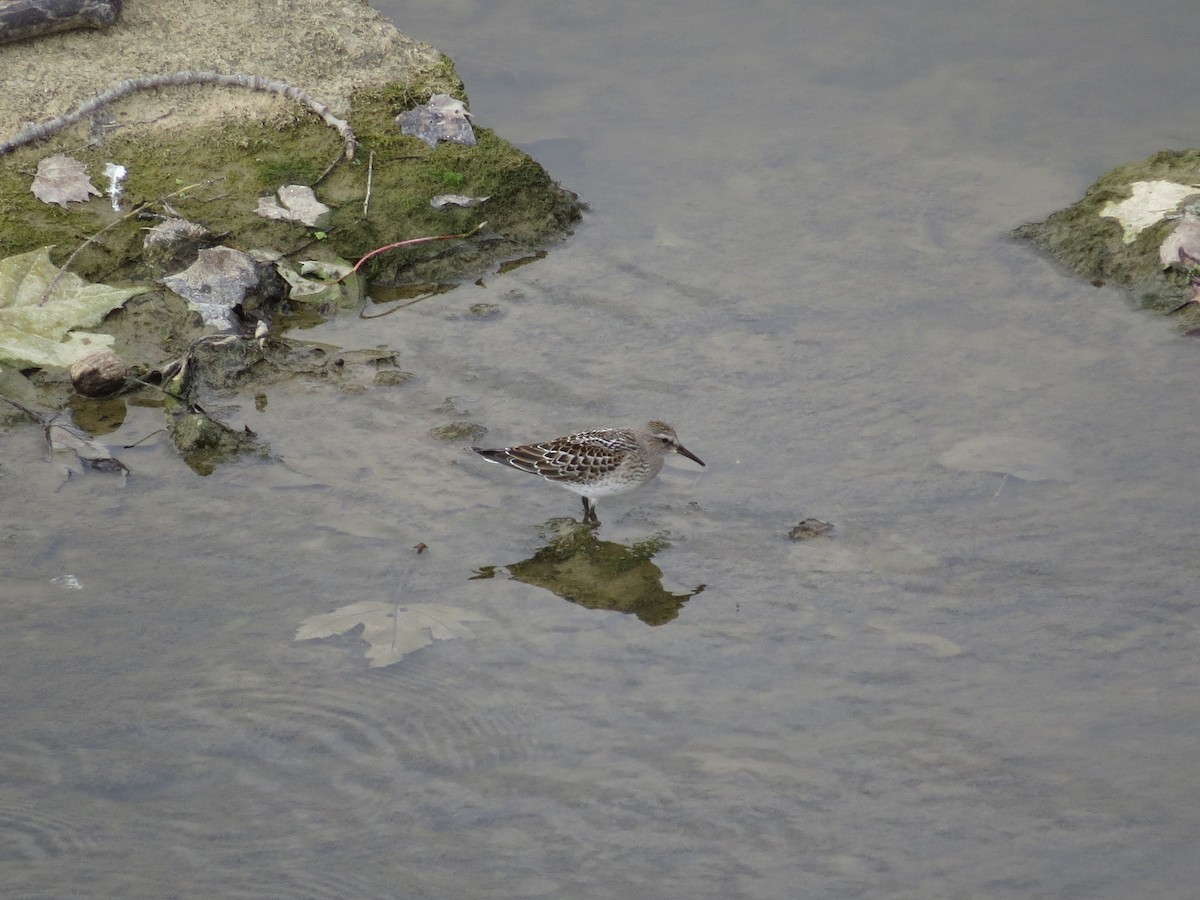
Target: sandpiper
[596, 463]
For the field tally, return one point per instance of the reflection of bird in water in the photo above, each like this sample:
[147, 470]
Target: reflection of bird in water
[597, 463]
[601, 575]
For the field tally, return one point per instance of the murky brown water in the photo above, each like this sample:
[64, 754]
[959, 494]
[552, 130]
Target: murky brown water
[982, 687]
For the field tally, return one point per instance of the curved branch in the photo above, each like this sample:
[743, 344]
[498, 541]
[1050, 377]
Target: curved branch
[149, 82]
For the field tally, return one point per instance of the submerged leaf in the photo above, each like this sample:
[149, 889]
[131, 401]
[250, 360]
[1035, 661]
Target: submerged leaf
[1029, 459]
[391, 630]
[93, 455]
[36, 326]
[62, 180]
[332, 282]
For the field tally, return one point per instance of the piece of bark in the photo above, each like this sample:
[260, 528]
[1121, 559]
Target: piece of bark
[20, 19]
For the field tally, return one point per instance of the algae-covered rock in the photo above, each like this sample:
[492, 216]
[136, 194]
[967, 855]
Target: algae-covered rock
[198, 156]
[208, 152]
[204, 442]
[1115, 232]
[484, 310]
[459, 432]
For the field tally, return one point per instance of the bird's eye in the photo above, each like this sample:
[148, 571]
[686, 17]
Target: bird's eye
[665, 440]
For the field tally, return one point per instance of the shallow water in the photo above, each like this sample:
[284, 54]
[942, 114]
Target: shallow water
[797, 254]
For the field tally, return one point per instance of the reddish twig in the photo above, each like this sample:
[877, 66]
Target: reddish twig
[411, 242]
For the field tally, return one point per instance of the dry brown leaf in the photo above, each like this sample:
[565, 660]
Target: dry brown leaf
[62, 180]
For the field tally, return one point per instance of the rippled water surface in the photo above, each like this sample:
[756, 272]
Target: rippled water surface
[982, 686]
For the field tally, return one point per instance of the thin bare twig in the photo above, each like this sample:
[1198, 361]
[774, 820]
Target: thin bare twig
[32, 413]
[412, 302]
[143, 440]
[370, 173]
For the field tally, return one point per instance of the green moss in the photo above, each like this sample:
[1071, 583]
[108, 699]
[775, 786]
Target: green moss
[210, 175]
[232, 165]
[459, 432]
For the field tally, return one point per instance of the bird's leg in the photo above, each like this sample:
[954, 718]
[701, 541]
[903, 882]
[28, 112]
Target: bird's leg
[589, 512]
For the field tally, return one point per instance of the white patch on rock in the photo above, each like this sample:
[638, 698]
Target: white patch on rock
[1151, 202]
